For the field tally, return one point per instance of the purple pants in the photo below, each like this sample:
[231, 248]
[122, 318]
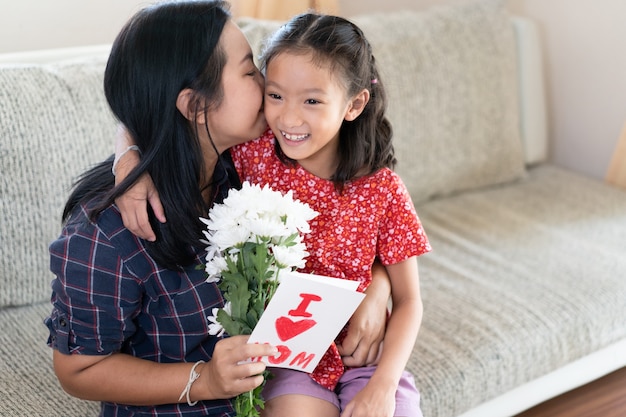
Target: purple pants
[288, 381]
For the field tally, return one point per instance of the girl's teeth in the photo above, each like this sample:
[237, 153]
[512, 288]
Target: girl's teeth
[294, 137]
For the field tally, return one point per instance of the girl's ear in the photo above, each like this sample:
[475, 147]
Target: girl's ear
[187, 106]
[357, 104]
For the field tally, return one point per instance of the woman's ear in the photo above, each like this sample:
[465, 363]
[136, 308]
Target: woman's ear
[187, 106]
[357, 104]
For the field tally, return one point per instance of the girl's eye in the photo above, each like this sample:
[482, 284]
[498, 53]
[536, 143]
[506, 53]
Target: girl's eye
[274, 96]
[311, 101]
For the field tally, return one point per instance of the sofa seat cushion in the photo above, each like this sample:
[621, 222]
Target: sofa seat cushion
[522, 280]
[28, 383]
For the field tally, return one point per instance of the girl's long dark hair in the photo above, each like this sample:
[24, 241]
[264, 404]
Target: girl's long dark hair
[162, 50]
[365, 143]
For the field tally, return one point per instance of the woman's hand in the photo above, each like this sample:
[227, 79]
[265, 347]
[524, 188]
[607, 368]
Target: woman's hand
[363, 342]
[133, 204]
[227, 374]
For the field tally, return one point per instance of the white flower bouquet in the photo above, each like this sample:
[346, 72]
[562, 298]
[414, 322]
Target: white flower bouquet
[254, 234]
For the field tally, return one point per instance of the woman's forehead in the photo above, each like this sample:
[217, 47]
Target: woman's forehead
[235, 44]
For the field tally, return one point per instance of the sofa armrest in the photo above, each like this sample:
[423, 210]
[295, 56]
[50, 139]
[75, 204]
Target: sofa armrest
[616, 174]
[46, 56]
[532, 101]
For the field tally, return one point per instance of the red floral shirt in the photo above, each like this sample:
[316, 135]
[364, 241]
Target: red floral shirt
[373, 217]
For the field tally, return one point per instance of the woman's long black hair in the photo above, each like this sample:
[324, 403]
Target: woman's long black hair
[162, 50]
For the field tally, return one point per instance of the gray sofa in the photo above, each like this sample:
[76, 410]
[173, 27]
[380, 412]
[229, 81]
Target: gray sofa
[525, 290]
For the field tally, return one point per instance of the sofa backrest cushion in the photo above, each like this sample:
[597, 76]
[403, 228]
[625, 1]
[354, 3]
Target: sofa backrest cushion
[451, 76]
[54, 123]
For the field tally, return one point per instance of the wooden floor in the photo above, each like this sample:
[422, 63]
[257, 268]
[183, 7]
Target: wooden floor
[605, 397]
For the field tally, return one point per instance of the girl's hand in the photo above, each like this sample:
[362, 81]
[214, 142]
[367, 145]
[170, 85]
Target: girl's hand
[227, 374]
[133, 204]
[363, 342]
[375, 400]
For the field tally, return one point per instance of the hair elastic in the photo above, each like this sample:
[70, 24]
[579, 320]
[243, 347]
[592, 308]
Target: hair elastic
[374, 80]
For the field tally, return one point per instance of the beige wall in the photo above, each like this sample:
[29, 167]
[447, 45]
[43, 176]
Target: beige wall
[584, 44]
[585, 60]
[40, 24]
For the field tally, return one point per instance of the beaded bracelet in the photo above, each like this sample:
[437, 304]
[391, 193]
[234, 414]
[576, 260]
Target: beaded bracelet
[118, 157]
[193, 375]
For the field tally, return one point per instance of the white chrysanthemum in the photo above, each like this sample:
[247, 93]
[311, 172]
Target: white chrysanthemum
[268, 227]
[215, 328]
[290, 257]
[298, 214]
[214, 268]
[229, 238]
[221, 216]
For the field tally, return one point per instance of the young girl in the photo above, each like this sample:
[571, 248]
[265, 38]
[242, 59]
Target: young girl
[330, 143]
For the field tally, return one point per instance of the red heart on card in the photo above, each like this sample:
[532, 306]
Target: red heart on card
[287, 328]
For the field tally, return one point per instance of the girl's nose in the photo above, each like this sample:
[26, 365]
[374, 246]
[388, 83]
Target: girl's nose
[290, 117]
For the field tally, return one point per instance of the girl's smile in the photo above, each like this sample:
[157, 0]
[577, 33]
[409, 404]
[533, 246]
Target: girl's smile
[294, 137]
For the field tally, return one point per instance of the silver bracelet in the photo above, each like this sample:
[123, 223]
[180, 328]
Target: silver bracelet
[193, 375]
[118, 157]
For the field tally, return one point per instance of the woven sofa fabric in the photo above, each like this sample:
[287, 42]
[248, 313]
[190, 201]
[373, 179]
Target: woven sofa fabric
[522, 280]
[28, 386]
[451, 77]
[456, 124]
[54, 123]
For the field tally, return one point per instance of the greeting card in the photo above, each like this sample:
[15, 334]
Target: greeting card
[305, 315]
